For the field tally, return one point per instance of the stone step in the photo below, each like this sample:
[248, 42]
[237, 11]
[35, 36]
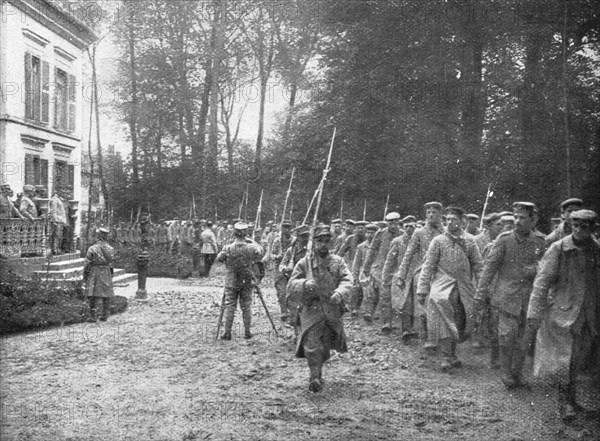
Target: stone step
[64, 274]
[67, 264]
[120, 277]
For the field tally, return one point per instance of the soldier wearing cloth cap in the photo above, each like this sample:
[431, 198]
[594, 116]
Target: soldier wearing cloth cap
[491, 229]
[373, 269]
[336, 230]
[565, 307]
[451, 263]
[407, 277]
[292, 256]
[564, 229]
[348, 248]
[7, 208]
[322, 297]
[27, 207]
[97, 275]
[341, 240]
[239, 257]
[472, 224]
[280, 245]
[361, 288]
[514, 256]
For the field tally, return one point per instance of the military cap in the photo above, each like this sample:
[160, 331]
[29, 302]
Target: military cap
[584, 215]
[336, 221]
[472, 216]
[251, 225]
[527, 206]
[382, 224]
[507, 218]
[409, 218]
[5, 186]
[410, 224]
[571, 201]
[322, 230]
[286, 223]
[372, 227]
[240, 226]
[302, 230]
[491, 217]
[421, 223]
[455, 210]
[556, 220]
[350, 222]
[505, 213]
[361, 223]
[392, 216]
[435, 205]
[28, 187]
[102, 230]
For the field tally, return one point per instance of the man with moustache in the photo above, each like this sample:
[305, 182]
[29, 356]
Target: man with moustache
[322, 282]
[348, 248]
[564, 229]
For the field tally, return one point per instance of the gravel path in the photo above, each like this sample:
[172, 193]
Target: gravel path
[156, 372]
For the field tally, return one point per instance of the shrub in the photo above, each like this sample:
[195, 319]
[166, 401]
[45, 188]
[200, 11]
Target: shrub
[27, 304]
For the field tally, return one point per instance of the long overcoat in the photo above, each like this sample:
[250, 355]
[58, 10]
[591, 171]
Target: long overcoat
[97, 267]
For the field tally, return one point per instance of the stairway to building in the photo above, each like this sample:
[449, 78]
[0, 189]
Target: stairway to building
[62, 268]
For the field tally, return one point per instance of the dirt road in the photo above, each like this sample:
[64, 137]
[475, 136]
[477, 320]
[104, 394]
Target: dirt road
[156, 372]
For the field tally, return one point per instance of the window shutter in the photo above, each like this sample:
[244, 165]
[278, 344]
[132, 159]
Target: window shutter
[71, 171]
[72, 90]
[29, 170]
[45, 92]
[28, 91]
[44, 172]
[37, 171]
[56, 100]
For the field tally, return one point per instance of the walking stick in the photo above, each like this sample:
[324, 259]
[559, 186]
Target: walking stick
[262, 300]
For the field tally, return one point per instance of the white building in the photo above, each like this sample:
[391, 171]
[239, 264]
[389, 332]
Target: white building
[42, 95]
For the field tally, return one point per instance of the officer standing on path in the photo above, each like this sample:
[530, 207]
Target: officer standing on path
[239, 258]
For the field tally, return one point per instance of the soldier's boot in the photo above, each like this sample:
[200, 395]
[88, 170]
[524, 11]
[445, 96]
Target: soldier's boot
[386, 318]
[495, 355]
[408, 330]
[518, 360]
[92, 303]
[447, 354]
[103, 308]
[228, 322]
[506, 373]
[567, 404]
[247, 318]
[454, 360]
[315, 381]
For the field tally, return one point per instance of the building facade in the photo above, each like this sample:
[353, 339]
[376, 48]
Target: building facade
[42, 97]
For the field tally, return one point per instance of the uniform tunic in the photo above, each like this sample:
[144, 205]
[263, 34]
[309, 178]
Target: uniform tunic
[447, 275]
[348, 248]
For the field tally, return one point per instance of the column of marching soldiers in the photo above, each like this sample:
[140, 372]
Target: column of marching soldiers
[498, 282]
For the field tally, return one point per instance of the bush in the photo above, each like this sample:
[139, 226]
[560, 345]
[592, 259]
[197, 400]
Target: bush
[27, 304]
[161, 264]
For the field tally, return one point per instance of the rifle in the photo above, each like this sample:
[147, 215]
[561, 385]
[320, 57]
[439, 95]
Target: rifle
[386, 206]
[312, 201]
[287, 196]
[220, 322]
[262, 300]
[246, 210]
[365, 210]
[342, 207]
[316, 215]
[487, 196]
[258, 211]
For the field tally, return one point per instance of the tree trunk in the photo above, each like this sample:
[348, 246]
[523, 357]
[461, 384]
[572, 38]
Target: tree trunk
[133, 80]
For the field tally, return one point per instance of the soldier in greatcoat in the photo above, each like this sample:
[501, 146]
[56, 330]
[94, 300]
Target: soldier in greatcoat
[348, 248]
[361, 288]
[280, 244]
[407, 276]
[472, 224]
[373, 270]
[564, 229]
[292, 256]
[97, 275]
[565, 307]
[446, 280]
[321, 282]
[513, 258]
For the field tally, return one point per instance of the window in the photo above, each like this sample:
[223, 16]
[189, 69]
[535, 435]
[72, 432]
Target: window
[64, 176]
[36, 170]
[64, 101]
[37, 83]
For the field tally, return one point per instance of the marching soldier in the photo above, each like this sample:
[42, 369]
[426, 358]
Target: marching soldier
[239, 258]
[565, 307]
[280, 245]
[291, 257]
[341, 239]
[348, 248]
[407, 277]
[564, 229]
[361, 287]
[321, 283]
[373, 268]
[513, 257]
[472, 224]
[491, 228]
[446, 280]
[336, 229]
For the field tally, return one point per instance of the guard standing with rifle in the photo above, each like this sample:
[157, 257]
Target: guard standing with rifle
[239, 258]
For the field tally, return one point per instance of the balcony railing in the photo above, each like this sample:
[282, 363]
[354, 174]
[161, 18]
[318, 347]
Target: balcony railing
[20, 238]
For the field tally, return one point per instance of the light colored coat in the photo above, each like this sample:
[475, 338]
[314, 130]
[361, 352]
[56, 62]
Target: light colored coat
[98, 264]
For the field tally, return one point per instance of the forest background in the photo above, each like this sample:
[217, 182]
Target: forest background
[432, 100]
